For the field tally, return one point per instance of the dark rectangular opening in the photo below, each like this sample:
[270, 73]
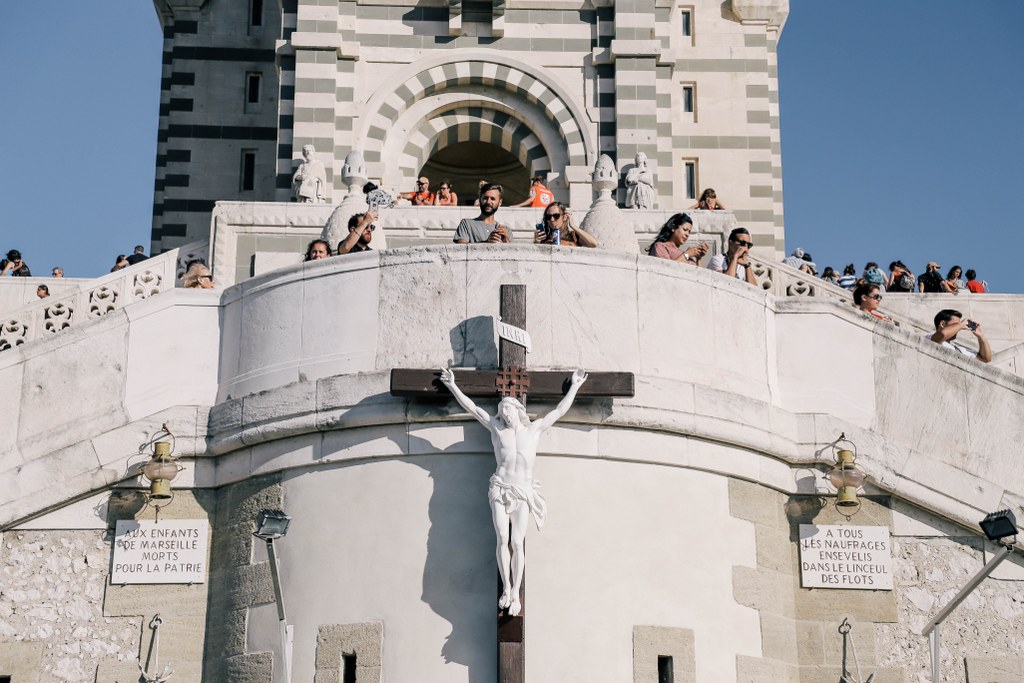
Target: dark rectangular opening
[248, 169]
[348, 669]
[687, 27]
[256, 13]
[665, 669]
[252, 87]
[5, 679]
[688, 99]
[477, 11]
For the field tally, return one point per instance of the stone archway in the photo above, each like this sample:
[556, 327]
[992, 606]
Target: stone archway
[465, 164]
[468, 144]
[430, 108]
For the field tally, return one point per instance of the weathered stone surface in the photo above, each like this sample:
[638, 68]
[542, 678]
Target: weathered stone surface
[51, 593]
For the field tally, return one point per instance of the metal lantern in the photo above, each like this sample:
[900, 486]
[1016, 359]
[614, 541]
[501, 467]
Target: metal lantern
[161, 471]
[847, 477]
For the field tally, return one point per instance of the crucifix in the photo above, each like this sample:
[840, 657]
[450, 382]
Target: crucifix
[512, 494]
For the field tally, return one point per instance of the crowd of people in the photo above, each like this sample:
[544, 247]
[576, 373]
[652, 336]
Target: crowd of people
[197, 273]
[558, 228]
[900, 277]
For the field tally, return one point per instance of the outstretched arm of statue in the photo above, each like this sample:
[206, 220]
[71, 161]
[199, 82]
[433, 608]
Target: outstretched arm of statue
[578, 378]
[448, 379]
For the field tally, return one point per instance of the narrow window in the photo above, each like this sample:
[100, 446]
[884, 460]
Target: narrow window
[348, 669]
[688, 99]
[252, 87]
[690, 178]
[248, 169]
[665, 669]
[686, 26]
[256, 13]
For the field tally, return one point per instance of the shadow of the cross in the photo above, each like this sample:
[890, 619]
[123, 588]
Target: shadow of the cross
[459, 569]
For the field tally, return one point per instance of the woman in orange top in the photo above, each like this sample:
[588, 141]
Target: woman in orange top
[445, 195]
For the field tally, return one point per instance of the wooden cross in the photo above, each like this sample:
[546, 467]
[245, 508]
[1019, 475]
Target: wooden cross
[510, 379]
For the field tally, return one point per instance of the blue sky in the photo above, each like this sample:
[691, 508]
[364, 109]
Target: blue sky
[901, 132]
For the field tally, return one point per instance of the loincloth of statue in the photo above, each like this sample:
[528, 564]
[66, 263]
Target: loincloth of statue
[513, 495]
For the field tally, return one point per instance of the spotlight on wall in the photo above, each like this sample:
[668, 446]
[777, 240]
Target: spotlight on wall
[999, 525]
[845, 475]
[272, 525]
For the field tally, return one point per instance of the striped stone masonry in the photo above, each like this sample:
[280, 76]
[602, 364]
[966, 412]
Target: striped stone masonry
[554, 84]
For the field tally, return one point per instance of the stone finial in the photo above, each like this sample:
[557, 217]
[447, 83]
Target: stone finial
[353, 173]
[605, 220]
[605, 179]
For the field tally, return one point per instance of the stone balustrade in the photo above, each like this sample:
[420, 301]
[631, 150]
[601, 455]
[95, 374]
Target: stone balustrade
[111, 292]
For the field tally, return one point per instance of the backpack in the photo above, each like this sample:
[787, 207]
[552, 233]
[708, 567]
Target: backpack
[905, 283]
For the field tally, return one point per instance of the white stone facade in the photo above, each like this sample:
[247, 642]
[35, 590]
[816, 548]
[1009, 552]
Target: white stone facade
[551, 85]
[277, 390]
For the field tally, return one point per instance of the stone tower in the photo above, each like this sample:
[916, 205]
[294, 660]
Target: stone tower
[466, 91]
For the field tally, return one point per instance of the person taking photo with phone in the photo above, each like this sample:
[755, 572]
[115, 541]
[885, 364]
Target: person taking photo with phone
[948, 323]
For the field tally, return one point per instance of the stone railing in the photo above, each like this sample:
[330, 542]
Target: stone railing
[782, 280]
[48, 316]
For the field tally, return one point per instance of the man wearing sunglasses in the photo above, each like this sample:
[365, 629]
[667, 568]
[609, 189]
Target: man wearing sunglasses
[360, 232]
[735, 262]
[422, 196]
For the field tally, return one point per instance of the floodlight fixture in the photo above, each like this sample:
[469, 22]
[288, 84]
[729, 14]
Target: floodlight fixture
[999, 525]
[271, 524]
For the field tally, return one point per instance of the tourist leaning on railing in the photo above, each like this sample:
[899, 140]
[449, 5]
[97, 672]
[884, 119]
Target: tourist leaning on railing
[868, 298]
[735, 262]
[13, 265]
[669, 242]
[848, 280]
[558, 227]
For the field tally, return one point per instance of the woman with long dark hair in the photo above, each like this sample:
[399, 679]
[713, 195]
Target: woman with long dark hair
[668, 244]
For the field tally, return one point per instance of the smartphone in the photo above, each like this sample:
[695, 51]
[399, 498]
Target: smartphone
[971, 325]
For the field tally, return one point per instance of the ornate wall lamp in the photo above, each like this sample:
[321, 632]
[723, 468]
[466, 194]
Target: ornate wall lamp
[845, 475]
[161, 469]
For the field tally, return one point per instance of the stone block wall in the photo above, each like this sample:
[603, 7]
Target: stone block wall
[181, 607]
[237, 582]
[53, 626]
[800, 627]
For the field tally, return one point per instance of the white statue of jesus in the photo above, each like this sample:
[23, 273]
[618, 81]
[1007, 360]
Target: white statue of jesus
[513, 494]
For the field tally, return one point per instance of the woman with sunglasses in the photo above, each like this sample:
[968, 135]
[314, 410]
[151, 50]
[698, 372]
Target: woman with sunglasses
[868, 298]
[446, 195]
[558, 217]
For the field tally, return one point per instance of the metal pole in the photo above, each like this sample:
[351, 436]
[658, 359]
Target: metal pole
[275, 577]
[933, 625]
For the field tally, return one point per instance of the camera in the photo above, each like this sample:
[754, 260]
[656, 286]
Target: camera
[971, 325]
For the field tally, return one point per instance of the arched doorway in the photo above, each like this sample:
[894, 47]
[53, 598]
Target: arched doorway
[465, 164]
[482, 97]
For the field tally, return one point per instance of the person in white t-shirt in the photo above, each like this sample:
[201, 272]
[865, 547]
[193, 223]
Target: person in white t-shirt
[948, 323]
[735, 262]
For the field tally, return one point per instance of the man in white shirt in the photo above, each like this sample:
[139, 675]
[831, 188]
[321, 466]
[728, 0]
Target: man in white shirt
[735, 262]
[948, 323]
